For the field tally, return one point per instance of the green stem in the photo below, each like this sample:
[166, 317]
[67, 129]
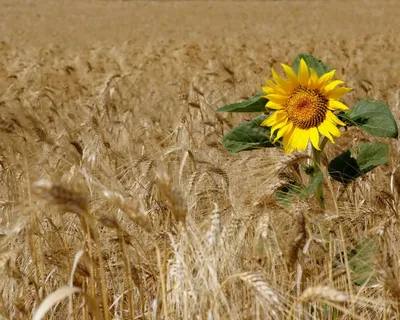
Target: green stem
[323, 144]
[319, 191]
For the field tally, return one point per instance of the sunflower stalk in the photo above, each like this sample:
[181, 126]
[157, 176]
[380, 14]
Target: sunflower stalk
[319, 191]
[316, 155]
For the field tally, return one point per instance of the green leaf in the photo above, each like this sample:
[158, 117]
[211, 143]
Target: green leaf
[312, 62]
[361, 262]
[255, 104]
[373, 117]
[355, 162]
[372, 155]
[315, 182]
[344, 168]
[247, 136]
[284, 196]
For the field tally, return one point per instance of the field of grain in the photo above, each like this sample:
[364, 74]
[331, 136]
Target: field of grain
[117, 197]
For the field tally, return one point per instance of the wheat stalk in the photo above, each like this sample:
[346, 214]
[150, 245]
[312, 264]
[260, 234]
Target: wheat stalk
[298, 239]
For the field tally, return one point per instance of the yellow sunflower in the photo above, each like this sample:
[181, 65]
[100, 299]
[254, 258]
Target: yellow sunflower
[303, 106]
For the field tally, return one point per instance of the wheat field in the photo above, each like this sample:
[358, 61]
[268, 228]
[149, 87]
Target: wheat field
[117, 197]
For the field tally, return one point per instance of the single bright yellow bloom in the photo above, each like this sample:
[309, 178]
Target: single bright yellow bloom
[303, 106]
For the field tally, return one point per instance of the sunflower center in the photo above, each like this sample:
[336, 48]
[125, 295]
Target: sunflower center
[306, 108]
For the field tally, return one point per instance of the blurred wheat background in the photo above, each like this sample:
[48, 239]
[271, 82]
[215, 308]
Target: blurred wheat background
[117, 198]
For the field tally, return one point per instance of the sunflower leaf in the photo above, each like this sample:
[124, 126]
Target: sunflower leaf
[247, 136]
[373, 117]
[284, 196]
[319, 67]
[255, 104]
[344, 168]
[315, 182]
[361, 262]
[372, 155]
[355, 162]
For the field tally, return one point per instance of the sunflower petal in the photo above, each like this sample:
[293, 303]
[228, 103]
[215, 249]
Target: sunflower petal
[314, 137]
[337, 93]
[324, 131]
[281, 82]
[313, 82]
[273, 105]
[274, 118]
[330, 86]
[304, 137]
[325, 78]
[333, 129]
[291, 75]
[303, 75]
[330, 116]
[293, 138]
[279, 124]
[277, 98]
[276, 88]
[286, 140]
[268, 90]
[298, 139]
[283, 131]
[336, 105]
[330, 127]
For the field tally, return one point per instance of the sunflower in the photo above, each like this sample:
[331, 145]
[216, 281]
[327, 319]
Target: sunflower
[303, 107]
